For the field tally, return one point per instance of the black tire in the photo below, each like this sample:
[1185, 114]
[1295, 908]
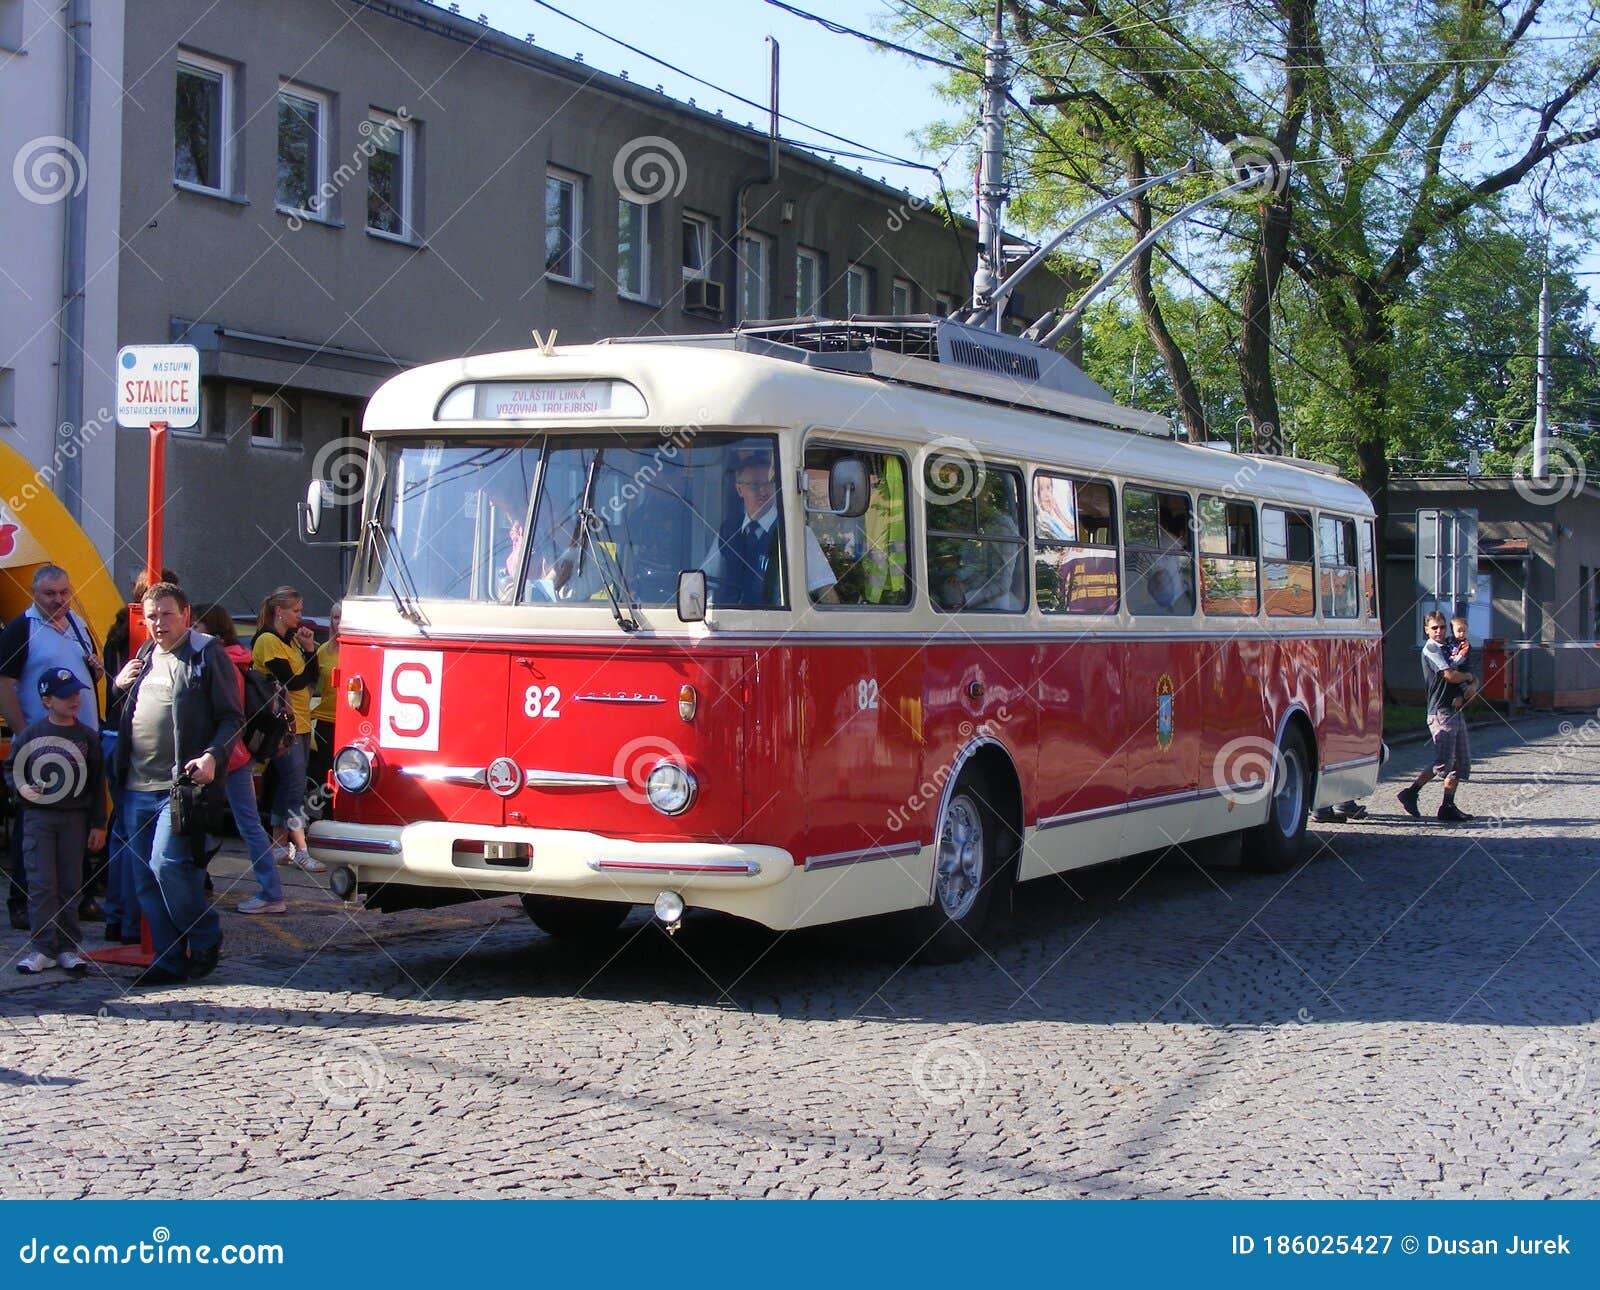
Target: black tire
[966, 867]
[1275, 845]
[568, 919]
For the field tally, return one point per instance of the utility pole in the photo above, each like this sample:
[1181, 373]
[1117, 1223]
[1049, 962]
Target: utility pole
[992, 190]
[1541, 396]
[69, 390]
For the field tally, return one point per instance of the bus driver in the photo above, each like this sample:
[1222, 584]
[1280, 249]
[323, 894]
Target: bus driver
[745, 568]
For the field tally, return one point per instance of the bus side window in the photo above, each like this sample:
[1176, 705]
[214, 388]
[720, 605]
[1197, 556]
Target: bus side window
[1228, 558]
[1075, 560]
[868, 554]
[1158, 531]
[1341, 596]
[1286, 560]
[977, 547]
[1369, 573]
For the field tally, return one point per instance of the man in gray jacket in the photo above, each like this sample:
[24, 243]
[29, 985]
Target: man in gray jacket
[181, 715]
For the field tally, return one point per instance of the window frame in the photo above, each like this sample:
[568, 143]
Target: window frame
[705, 238]
[1129, 548]
[1021, 541]
[225, 74]
[319, 209]
[1201, 554]
[406, 130]
[853, 273]
[814, 258]
[944, 304]
[646, 260]
[898, 287]
[1368, 554]
[763, 278]
[575, 236]
[1114, 547]
[280, 411]
[825, 441]
[1261, 539]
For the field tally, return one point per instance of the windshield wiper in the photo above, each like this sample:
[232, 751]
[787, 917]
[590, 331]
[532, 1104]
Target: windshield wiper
[393, 556]
[610, 569]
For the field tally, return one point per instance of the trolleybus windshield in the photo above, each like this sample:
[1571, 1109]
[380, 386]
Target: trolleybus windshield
[459, 513]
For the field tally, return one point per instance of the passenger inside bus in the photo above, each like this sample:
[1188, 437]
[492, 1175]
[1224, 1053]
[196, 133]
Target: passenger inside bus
[1159, 552]
[746, 568]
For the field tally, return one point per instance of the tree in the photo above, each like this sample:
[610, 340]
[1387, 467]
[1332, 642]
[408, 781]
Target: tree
[1398, 125]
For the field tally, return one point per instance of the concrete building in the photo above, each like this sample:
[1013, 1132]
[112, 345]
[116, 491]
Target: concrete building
[1538, 580]
[319, 193]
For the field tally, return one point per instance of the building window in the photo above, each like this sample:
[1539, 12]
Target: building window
[1228, 555]
[563, 225]
[200, 123]
[1075, 540]
[1286, 563]
[697, 244]
[633, 249]
[272, 421]
[303, 125]
[390, 169]
[8, 397]
[11, 24]
[901, 294]
[857, 290]
[807, 283]
[944, 304]
[755, 276]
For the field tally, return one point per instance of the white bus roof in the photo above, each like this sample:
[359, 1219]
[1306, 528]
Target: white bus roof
[893, 397]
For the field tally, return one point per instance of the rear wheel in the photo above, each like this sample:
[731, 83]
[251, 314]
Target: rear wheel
[964, 871]
[1274, 847]
[568, 919]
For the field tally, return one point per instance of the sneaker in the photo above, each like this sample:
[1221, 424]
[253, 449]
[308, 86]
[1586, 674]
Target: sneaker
[283, 855]
[34, 964]
[1450, 813]
[307, 863]
[261, 905]
[1408, 801]
[71, 961]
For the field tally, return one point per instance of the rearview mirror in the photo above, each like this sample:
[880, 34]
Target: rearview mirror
[847, 489]
[311, 511]
[692, 596]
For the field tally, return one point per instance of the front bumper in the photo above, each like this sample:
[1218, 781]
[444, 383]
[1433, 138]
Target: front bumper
[563, 862]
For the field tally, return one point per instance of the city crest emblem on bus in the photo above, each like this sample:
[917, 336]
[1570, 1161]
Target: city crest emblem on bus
[504, 776]
[1165, 715]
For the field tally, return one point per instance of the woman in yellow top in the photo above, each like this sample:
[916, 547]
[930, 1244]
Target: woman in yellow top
[286, 651]
[323, 712]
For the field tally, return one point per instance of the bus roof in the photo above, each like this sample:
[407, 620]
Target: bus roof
[703, 385]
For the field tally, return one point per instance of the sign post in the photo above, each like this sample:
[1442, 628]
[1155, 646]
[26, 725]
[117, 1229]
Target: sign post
[158, 387]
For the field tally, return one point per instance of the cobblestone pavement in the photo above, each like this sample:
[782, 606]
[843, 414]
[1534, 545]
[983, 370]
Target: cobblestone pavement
[1412, 1013]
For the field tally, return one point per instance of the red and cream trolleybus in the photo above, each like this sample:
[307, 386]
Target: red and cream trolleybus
[814, 621]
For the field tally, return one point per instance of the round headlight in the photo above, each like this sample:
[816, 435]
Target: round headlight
[670, 788]
[353, 769]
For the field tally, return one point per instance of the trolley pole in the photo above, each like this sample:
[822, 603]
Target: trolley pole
[992, 190]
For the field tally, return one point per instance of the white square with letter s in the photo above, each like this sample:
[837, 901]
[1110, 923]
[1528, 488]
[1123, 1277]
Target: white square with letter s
[408, 707]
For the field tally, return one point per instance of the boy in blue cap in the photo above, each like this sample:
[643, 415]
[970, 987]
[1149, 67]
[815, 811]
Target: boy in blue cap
[60, 776]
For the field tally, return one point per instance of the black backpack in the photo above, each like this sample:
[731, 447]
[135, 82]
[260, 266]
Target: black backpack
[268, 716]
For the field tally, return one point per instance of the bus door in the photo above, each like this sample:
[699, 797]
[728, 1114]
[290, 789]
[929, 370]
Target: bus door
[1162, 674]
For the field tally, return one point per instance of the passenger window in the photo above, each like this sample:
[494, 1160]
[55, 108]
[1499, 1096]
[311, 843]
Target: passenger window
[1075, 546]
[1228, 551]
[1341, 595]
[867, 554]
[1157, 529]
[1286, 558]
[977, 555]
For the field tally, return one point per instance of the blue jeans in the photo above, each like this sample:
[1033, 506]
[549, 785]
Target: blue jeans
[171, 887]
[122, 894]
[241, 788]
[289, 793]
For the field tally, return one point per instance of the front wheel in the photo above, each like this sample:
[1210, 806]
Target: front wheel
[1274, 846]
[964, 871]
[568, 919]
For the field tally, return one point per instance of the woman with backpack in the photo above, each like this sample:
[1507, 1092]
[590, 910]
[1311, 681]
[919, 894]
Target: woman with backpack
[239, 780]
[287, 651]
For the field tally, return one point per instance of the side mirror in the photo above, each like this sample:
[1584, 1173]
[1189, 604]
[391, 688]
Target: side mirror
[848, 489]
[311, 510]
[692, 596]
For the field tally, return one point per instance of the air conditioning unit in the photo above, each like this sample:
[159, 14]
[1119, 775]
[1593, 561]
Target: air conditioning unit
[702, 295]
